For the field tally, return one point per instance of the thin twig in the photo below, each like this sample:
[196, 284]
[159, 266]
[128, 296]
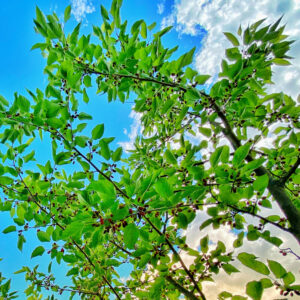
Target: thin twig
[286, 177]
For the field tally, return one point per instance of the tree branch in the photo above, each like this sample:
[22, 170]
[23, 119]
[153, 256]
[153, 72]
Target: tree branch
[259, 217]
[184, 291]
[90, 70]
[65, 289]
[100, 172]
[286, 177]
[190, 275]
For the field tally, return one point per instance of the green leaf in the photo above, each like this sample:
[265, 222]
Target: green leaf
[9, 229]
[73, 271]
[197, 172]
[43, 236]
[52, 57]
[21, 241]
[218, 155]
[38, 251]
[116, 156]
[253, 165]
[162, 32]
[240, 154]
[84, 116]
[163, 188]
[228, 268]
[29, 156]
[225, 154]
[201, 79]
[271, 239]
[254, 289]
[135, 27]
[253, 234]
[131, 235]
[250, 261]
[204, 244]
[247, 36]
[205, 131]
[224, 295]
[87, 81]
[170, 158]
[276, 268]
[62, 158]
[151, 26]
[295, 287]
[67, 13]
[19, 221]
[5, 180]
[190, 73]
[288, 278]
[205, 224]
[186, 59]
[261, 183]
[85, 96]
[105, 189]
[3, 101]
[168, 104]
[266, 282]
[40, 17]
[81, 141]
[144, 260]
[69, 258]
[105, 151]
[182, 221]
[232, 38]
[281, 62]
[73, 230]
[212, 211]
[22, 270]
[144, 30]
[98, 131]
[104, 13]
[239, 241]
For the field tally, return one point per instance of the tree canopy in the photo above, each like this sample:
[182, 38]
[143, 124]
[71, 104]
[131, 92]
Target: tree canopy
[96, 209]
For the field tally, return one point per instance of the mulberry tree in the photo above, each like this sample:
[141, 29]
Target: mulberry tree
[95, 209]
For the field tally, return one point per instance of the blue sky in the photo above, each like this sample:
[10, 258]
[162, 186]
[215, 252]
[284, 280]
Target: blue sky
[197, 23]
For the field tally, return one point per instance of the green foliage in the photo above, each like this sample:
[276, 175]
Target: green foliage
[97, 208]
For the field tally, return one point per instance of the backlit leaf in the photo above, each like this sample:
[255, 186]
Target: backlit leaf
[131, 234]
[240, 154]
[98, 131]
[67, 13]
[43, 236]
[38, 251]
[232, 38]
[254, 289]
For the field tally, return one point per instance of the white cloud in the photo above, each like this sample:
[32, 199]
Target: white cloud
[80, 8]
[168, 21]
[160, 8]
[217, 16]
[135, 130]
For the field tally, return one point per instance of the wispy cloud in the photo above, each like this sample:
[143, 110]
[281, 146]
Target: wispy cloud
[160, 8]
[135, 130]
[80, 8]
[168, 21]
